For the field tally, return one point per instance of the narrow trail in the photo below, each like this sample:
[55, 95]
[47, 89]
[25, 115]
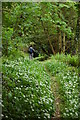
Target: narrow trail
[55, 90]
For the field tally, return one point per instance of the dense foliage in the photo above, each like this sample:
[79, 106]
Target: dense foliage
[26, 90]
[67, 77]
[50, 27]
[54, 31]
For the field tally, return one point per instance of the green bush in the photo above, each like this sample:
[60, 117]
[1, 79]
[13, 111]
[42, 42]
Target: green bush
[71, 60]
[26, 91]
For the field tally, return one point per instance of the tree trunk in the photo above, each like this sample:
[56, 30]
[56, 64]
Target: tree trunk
[63, 42]
[60, 42]
[51, 46]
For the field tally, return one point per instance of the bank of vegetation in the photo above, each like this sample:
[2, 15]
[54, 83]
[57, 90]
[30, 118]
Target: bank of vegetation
[52, 28]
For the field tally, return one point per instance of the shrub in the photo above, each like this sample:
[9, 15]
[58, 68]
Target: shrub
[71, 60]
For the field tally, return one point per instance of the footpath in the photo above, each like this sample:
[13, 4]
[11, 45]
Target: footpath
[55, 91]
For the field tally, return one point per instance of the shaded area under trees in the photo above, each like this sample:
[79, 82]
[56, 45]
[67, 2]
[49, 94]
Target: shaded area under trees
[51, 26]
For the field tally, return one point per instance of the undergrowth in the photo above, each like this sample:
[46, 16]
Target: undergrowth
[26, 90]
[67, 78]
[70, 60]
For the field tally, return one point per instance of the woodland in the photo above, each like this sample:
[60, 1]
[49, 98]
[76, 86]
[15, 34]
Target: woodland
[46, 87]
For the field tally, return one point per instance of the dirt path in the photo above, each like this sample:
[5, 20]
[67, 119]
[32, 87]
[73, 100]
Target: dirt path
[55, 90]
